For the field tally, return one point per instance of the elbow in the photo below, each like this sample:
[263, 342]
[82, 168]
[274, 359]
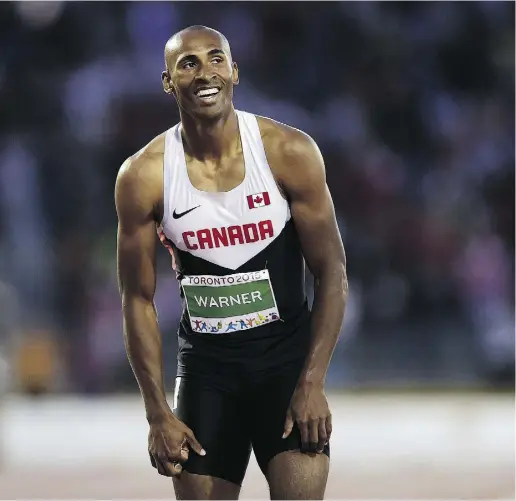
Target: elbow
[334, 273]
[136, 301]
[342, 277]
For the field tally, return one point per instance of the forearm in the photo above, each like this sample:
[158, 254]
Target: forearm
[330, 297]
[143, 346]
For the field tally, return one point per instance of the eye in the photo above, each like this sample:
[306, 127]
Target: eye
[217, 59]
[188, 65]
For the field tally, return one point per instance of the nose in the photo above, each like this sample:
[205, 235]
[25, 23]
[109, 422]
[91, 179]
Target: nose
[204, 73]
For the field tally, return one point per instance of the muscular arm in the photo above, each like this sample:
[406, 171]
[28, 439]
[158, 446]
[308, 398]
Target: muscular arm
[303, 179]
[136, 248]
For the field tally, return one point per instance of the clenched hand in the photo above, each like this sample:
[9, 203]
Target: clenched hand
[169, 443]
[309, 409]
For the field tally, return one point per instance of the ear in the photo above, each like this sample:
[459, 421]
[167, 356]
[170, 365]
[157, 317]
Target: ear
[167, 84]
[234, 76]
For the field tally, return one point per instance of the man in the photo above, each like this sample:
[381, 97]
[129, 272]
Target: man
[239, 201]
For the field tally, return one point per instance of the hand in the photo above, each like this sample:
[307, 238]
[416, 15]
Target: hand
[169, 443]
[309, 409]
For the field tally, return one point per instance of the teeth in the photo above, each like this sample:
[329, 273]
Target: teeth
[207, 92]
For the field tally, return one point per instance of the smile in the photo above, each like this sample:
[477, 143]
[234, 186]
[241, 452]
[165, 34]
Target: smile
[207, 94]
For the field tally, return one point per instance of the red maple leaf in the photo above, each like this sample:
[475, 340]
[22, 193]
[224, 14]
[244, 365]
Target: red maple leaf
[258, 200]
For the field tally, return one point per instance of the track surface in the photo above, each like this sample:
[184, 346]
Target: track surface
[387, 446]
[409, 481]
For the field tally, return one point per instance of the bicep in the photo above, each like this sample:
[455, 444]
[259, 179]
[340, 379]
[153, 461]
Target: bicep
[136, 260]
[313, 214]
[136, 243]
[314, 217]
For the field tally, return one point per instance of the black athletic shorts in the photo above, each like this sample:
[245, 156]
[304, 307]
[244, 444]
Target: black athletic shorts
[230, 414]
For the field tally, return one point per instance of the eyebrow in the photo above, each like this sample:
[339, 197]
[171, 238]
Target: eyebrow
[212, 52]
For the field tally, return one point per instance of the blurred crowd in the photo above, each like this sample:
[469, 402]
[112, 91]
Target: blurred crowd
[411, 103]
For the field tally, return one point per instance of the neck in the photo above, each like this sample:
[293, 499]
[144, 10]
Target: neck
[210, 139]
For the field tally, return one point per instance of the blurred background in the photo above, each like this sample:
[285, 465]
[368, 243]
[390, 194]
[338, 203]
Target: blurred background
[412, 105]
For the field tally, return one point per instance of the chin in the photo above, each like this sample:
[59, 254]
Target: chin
[209, 112]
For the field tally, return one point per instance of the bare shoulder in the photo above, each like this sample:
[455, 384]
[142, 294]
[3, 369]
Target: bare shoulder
[139, 183]
[293, 155]
[146, 165]
[284, 139]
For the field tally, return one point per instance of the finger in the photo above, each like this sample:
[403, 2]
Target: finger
[289, 424]
[328, 428]
[180, 458]
[178, 468]
[313, 430]
[161, 468]
[172, 468]
[194, 444]
[185, 452]
[303, 430]
[323, 437]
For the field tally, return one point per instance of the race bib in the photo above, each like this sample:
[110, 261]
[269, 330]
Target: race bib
[229, 303]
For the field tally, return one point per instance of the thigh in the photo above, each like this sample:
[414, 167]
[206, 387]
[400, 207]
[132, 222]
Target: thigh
[192, 486]
[214, 415]
[270, 401]
[296, 475]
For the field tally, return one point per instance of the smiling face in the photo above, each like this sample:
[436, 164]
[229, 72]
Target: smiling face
[200, 72]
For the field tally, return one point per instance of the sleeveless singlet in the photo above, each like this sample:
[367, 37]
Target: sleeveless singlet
[237, 258]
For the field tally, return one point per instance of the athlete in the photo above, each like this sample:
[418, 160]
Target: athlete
[241, 202]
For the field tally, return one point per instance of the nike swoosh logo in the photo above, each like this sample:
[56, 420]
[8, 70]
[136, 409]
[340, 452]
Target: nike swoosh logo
[177, 215]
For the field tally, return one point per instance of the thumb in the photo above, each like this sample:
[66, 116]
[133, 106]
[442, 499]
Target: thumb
[289, 424]
[195, 445]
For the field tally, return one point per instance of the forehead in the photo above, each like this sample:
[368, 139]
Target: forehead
[195, 43]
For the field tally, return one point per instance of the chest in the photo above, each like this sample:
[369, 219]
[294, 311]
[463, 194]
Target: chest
[226, 228]
[212, 178]
[203, 220]
[225, 215]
